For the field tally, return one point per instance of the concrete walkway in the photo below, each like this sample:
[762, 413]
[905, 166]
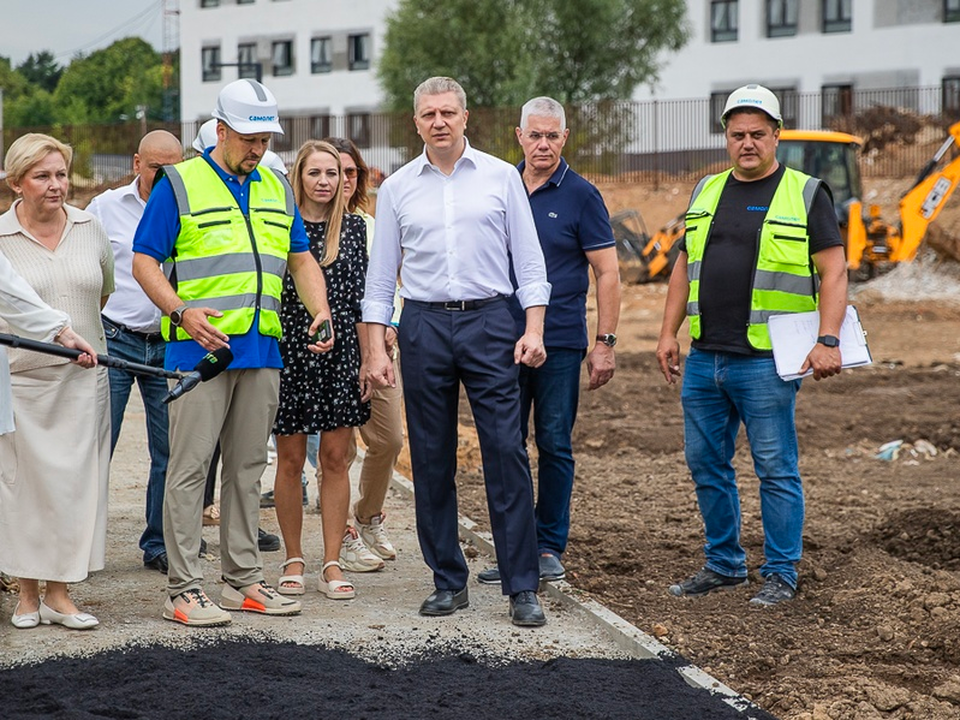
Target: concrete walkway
[381, 624]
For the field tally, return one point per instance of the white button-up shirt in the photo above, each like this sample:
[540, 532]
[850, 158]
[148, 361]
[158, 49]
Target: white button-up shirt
[119, 211]
[454, 237]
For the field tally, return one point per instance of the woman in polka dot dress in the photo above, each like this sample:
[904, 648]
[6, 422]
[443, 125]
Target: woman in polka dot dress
[321, 393]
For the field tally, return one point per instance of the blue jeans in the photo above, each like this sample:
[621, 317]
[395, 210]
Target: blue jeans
[126, 345]
[720, 390]
[553, 389]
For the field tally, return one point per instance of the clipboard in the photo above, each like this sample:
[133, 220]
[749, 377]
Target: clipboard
[793, 336]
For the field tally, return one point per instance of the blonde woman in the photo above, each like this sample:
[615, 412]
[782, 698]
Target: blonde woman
[321, 393]
[53, 505]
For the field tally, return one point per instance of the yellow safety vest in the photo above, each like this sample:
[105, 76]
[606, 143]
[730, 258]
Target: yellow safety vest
[784, 278]
[226, 260]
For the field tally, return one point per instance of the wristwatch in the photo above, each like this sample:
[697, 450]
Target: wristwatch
[608, 339]
[176, 316]
[830, 341]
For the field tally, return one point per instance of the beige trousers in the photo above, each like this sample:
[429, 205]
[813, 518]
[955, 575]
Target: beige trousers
[237, 408]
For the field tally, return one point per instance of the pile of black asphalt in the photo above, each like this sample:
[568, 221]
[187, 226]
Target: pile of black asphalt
[265, 680]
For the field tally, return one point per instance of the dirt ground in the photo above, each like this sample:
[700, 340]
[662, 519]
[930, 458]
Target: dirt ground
[875, 629]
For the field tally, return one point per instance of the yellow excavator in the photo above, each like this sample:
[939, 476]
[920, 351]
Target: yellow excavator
[873, 244]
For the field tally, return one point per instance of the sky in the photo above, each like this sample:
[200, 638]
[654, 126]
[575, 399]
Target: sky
[65, 27]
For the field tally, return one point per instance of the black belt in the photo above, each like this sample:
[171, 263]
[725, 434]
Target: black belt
[457, 305]
[150, 337]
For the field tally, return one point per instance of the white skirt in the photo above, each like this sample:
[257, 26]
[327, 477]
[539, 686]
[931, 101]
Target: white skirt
[54, 474]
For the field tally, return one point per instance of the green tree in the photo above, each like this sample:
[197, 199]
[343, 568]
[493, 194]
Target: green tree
[41, 70]
[505, 51]
[109, 85]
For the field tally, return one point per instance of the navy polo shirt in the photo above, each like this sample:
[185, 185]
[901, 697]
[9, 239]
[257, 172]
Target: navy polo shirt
[571, 219]
[157, 235]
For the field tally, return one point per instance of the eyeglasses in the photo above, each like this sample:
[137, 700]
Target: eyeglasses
[550, 137]
[350, 172]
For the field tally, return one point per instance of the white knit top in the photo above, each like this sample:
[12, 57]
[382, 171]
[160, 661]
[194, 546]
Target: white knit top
[72, 278]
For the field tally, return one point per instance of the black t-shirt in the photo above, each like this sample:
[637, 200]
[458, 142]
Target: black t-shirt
[726, 273]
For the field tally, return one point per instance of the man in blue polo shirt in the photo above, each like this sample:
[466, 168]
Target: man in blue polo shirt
[575, 234]
[226, 232]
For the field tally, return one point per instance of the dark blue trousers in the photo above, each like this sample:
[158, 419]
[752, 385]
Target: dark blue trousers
[442, 349]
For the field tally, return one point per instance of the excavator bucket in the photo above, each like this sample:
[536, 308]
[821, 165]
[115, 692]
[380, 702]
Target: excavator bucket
[631, 236]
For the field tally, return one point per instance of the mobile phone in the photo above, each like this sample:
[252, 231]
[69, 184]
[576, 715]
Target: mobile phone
[324, 333]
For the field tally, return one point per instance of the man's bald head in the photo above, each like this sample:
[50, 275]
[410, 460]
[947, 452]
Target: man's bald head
[157, 148]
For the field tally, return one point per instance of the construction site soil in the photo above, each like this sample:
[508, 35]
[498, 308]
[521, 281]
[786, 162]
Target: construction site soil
[875, 629]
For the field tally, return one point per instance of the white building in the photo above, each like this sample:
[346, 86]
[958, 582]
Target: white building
[319, 59]
[831, 47]
[316, 56]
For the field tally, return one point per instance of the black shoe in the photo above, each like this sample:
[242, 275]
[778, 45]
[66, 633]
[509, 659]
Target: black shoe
[525, 610]
[158, 563]
[775, 590]
[490, 576]
[267, 500]
[706, 581]
[551, 569]
[267, 542]
[445, 602]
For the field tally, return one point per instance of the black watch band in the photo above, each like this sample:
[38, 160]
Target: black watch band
[830, 341]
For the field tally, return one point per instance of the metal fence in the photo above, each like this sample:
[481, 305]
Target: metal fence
[648, 141]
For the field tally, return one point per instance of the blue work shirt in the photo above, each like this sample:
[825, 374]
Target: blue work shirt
[571, 219]
[156, 236]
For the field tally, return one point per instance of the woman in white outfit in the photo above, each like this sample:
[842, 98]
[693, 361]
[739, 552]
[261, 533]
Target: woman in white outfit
[54, 468]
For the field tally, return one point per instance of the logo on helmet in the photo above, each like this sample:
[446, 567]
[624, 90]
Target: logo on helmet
[262, 118]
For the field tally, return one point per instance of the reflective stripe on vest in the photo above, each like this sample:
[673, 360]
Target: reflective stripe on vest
[784, 278]
[224, 259]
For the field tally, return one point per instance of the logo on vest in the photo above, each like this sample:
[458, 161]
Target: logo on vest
[757, 208]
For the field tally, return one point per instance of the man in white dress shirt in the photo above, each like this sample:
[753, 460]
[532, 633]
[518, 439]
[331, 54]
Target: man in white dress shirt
[455, 221]
[132, 326]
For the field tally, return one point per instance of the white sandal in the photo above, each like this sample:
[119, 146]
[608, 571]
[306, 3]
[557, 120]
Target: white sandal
[334, 589]
[297, 585]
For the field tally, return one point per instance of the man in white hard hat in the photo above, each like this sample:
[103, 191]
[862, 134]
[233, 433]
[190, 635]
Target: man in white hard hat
[761, 240]
[226, 231]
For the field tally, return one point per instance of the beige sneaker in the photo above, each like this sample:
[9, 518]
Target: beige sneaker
[193, 607]
[355, 556]
[258, 598]
[375, 537]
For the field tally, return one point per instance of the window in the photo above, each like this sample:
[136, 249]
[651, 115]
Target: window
[358, 129]
[951, 97]
[781, 18]
[836, 101]
[245, 2]
[210, 60]
[789, 102]
[837, 16]
[359, 51]
[321, 55]
[247, 60]
[951, 10]
[717, 101]
[209, 3]
[723, 21]
[282, 57]
[320, 126]
[281, 143]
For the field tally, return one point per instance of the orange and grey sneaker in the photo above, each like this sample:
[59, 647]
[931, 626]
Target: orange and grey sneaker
[258, 598]
[193, 607]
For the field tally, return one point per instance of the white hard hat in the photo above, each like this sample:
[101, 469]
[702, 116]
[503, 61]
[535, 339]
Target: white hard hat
[752, 96]
[273, 161]
[206, 136]
[248, 107]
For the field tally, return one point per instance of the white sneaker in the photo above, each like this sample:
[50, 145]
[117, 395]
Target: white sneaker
[375, 537]
[355, 556]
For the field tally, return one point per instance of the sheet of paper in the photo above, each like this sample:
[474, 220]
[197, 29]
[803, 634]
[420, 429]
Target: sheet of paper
[794, 335]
